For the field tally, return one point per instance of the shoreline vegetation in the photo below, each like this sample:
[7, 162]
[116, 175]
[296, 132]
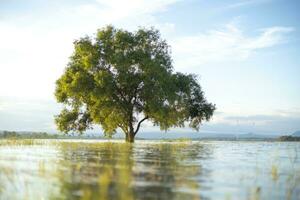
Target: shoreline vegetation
[289, 138]
[45, 135]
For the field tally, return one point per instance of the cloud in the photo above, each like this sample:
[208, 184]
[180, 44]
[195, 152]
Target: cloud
[25, 114]
[116, 9]
[278, 122]
[246, 3]
[35, 46]
[31, 60]
[125, 14]
[227, 44]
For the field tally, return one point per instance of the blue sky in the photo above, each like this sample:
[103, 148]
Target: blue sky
[245, 52]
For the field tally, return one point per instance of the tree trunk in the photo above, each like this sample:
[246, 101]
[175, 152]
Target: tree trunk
[131, 133]
[130, 137]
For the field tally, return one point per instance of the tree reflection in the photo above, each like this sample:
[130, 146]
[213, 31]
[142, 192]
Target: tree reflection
[124, 171]
[167, 171]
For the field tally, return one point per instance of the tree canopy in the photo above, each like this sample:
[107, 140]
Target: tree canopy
[119, 79]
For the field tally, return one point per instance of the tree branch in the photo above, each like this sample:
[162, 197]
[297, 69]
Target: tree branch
[123, 128]
[139, 124]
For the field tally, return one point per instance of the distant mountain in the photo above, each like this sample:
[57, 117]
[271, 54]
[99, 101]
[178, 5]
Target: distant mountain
[296, 134]
[255, 136]
[202, 135]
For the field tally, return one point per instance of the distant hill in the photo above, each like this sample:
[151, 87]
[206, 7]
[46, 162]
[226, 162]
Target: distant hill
[297, 134]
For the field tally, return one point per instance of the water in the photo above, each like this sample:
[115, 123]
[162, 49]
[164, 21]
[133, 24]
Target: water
[89, 169]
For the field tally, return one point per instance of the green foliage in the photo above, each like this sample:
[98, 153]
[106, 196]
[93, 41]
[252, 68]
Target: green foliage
[116, 76]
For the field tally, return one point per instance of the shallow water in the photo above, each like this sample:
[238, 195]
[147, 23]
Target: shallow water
[90, 169]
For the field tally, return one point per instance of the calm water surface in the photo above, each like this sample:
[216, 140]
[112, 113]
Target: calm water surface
[89, 169]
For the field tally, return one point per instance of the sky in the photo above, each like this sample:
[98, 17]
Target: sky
[245, 53]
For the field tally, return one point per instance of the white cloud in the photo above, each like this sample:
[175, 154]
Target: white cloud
[227, 44]
[125, 14]
[116, 9]
[276, 122]
[246, 3]
[26, 114]
[31, 60]
[35, 49]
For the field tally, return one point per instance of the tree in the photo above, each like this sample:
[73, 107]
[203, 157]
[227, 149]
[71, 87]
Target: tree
[119, 79]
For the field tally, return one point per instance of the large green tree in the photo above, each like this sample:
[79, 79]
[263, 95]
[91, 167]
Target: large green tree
[119, 79]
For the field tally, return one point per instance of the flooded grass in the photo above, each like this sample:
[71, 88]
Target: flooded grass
[177, 169]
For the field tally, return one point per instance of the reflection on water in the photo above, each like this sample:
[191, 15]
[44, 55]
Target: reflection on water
[48, 169]
[124, 171]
